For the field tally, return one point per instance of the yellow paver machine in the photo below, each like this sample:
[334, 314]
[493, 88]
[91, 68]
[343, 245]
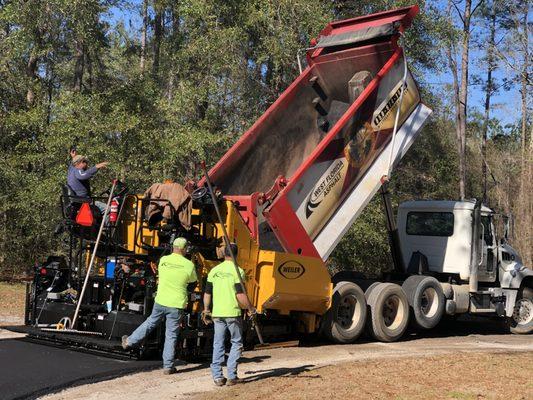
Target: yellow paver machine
[287, 191]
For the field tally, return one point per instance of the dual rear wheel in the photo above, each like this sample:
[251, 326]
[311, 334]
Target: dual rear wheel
[345, 320]
[384, 308]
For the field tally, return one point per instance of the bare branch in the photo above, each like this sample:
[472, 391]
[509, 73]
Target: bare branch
[502, 57]
[476, 7]
[458, 12]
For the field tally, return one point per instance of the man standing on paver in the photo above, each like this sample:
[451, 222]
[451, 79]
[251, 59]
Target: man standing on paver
[224, 288]
[175, 274]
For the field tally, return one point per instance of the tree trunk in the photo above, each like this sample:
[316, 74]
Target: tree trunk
[158, 33]
[31, 69]
[525, 203]
[463, 95]
[489, 89]
[452, 64]
[50, 87]
[143, 36]
[175, 46]
[524, 81]
[79, 65]
[89, 71]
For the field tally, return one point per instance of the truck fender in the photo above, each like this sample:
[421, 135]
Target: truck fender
[514, 275]
[514, 279]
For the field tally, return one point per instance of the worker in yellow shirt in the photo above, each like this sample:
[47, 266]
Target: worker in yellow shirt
[224, 288]
[175, 274]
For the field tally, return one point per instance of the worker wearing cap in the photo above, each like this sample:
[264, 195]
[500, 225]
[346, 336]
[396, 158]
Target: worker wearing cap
[79, 176]
[176, 274]
[224, 288]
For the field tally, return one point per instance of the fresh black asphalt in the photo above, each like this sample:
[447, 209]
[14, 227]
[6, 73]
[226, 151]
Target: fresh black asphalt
[29, 370]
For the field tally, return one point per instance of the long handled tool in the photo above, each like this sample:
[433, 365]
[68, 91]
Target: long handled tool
[226, 239]
[88, 272]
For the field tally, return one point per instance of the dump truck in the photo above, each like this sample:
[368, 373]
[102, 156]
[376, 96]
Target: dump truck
[287, 192]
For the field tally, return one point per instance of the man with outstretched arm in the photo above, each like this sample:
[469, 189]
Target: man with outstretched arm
[224, 288]
[79, 176]
[177, 276]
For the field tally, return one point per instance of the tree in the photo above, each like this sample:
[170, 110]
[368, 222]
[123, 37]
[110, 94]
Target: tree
[143, 35]
[489, 90]
[460, 79]
[187, 81]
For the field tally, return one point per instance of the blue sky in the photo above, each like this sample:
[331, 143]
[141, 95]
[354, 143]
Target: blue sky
[505, 105]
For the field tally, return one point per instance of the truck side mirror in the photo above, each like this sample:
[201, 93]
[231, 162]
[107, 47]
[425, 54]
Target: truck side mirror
[508, 228]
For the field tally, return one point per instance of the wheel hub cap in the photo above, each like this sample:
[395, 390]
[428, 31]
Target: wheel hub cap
[523, 311]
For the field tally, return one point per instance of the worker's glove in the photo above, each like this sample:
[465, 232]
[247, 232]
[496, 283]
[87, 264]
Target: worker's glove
[206, 317]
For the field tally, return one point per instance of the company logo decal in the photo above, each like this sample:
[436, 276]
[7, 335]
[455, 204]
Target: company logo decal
[385, 108]
[291, 269]
[323, 188]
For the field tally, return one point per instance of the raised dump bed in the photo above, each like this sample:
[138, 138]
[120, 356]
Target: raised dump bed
[306, 169]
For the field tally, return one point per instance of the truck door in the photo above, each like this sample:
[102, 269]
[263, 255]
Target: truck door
[487, 269]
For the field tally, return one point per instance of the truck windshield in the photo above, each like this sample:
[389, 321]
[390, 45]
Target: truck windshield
[425, 223]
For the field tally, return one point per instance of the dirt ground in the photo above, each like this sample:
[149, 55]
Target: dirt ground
[12, 303]
[470, 365]
[464, 376]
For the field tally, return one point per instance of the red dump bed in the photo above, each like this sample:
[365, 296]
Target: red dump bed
[306, 169]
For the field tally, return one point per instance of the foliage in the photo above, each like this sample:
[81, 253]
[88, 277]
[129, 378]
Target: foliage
[70, 74]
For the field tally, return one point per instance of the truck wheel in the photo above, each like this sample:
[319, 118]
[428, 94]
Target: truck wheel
[522, 320]
[345, 320]
[426, 299]
[389, 312]
[370, 288]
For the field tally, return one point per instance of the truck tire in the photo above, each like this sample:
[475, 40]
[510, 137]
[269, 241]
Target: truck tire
[345, 319]
[522, 320]
[426, 300]
[389, 312]
[370, 288]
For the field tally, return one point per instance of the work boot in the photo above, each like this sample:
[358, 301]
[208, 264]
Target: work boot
[220, 381]
[232, 382]
[169, 371]
[125, 345]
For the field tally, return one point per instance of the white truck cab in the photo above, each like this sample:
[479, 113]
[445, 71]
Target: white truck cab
[479, 273]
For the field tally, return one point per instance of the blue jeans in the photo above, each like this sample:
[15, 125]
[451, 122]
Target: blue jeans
[234, 326]
[173, 318]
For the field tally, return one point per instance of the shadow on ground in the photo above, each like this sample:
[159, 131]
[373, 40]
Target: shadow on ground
[276, 372]
[448, 327]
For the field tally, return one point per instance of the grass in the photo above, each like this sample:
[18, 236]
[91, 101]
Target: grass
[461, 376]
